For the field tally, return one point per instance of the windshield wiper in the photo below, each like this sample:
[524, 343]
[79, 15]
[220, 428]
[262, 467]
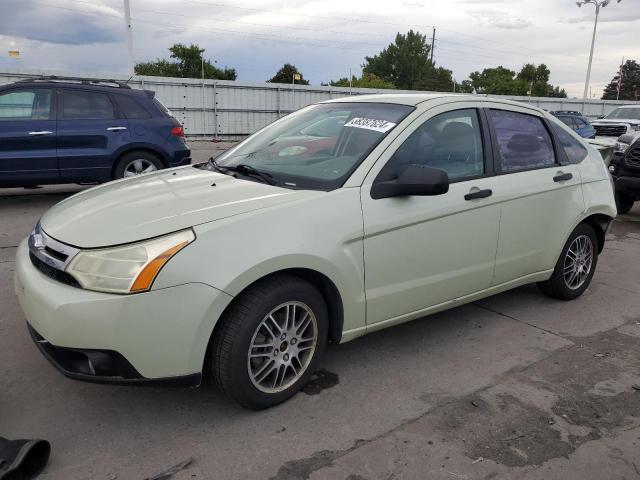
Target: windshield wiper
[244, 169]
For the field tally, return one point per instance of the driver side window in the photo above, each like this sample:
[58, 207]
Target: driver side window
[450, 141]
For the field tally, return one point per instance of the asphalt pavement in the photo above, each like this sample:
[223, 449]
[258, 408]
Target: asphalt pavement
[516, 386]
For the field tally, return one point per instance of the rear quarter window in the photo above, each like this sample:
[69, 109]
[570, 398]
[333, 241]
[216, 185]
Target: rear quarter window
[575, 150]
[131, 108]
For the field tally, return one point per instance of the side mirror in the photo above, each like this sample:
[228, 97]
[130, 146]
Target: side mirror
[414, 180]
[600, 117]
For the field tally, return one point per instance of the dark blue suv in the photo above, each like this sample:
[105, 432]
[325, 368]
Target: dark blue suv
[68, 130]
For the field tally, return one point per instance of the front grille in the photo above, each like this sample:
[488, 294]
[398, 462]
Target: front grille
[53, 273]
[610, 130]
[632, 158]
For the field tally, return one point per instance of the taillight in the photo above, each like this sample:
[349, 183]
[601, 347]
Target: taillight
[177, 131]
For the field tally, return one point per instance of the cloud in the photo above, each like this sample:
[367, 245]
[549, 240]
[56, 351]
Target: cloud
[52, 23]
[498, 19]
[601, 19]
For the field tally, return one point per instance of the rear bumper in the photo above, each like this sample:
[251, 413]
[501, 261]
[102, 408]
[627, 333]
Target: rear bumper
[629, 185]
[180, 158]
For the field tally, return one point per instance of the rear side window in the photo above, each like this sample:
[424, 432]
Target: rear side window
[25, 105]
[131, 108]
[79, 105]
[523, 141]
[576, 152]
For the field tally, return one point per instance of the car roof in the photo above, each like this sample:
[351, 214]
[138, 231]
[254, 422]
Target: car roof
[414, 99]
[98, 85]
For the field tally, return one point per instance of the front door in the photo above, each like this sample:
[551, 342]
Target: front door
[89, 133]
[423, 252]
[27, 137]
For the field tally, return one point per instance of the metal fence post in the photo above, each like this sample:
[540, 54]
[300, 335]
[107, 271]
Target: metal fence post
[215, 111]
[278, 102]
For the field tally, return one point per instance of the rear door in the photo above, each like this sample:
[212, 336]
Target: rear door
[539, 191]
[27, 137]
[90, 130]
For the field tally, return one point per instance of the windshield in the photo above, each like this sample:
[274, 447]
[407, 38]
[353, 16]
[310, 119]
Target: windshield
[317, 147]
[625, 113]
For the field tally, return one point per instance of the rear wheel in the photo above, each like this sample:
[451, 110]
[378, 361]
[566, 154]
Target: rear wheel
[136, 163]
[624, 202]
[270, 341]
[575, 267]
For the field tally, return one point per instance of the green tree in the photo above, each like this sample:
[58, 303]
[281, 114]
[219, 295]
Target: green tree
[188, 62]
[285, 75]
[630, 89]
[405, 63]
[493, 81]
[530, 80]
[368, 80]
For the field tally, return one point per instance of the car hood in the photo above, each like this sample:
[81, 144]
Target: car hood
[616, 121]
[150, 205]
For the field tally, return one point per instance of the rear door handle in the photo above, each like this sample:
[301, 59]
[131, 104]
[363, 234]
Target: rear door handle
[562, 177]
[116, 129]
[478, 194]
[40, 132]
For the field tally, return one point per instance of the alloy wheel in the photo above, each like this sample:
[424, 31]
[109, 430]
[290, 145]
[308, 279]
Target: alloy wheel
[138, 167]
[282, 347]
[578, 262]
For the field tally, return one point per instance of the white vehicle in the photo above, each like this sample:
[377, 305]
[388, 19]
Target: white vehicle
[396, 207]
[622, 120]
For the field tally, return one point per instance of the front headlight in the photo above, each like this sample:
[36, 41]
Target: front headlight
[129, 268]
[620, 147]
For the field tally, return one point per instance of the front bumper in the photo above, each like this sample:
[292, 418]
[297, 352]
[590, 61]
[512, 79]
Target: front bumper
[155, 337]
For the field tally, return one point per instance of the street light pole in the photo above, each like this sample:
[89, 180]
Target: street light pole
[598, 4]
[127, 22]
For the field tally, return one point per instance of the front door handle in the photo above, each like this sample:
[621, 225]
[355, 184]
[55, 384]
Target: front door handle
[562, 177]
[116, 129]
[40, 132]
[478, 194]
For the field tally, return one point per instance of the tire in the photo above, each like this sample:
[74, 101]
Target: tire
[136, 163]
[624, 202]
[575, 282]
[248, 323]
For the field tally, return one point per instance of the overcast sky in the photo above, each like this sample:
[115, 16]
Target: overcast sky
[324, 39]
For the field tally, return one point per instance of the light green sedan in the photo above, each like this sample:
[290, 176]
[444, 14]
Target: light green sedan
[343, 218]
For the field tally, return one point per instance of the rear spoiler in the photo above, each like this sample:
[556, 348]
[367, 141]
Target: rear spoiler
[150, 93]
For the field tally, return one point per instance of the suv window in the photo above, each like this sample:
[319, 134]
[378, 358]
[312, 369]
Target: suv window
[569, 122]
[523, 141]
[131, 108]
[576, 152]
[80, 105]
[450, 141]
[25, 105]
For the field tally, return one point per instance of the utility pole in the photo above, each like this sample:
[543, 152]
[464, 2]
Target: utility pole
[620, 79]
[127, 24]
[598, 4]
[433, 43]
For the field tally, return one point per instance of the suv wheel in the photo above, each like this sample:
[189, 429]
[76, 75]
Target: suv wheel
[575, 267]
[270, 342]
[136, 163]
[624, 202]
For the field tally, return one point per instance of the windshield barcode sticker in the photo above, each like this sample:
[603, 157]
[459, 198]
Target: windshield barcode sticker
[370, 124]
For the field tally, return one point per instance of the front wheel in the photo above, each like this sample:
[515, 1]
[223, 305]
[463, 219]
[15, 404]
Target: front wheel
[270, 341]
[624, 202]
[575, 267]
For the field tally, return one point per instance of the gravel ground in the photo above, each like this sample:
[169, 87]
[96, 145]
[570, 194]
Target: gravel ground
[516, 386]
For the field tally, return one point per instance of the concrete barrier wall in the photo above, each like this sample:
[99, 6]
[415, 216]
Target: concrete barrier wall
[223, 109]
